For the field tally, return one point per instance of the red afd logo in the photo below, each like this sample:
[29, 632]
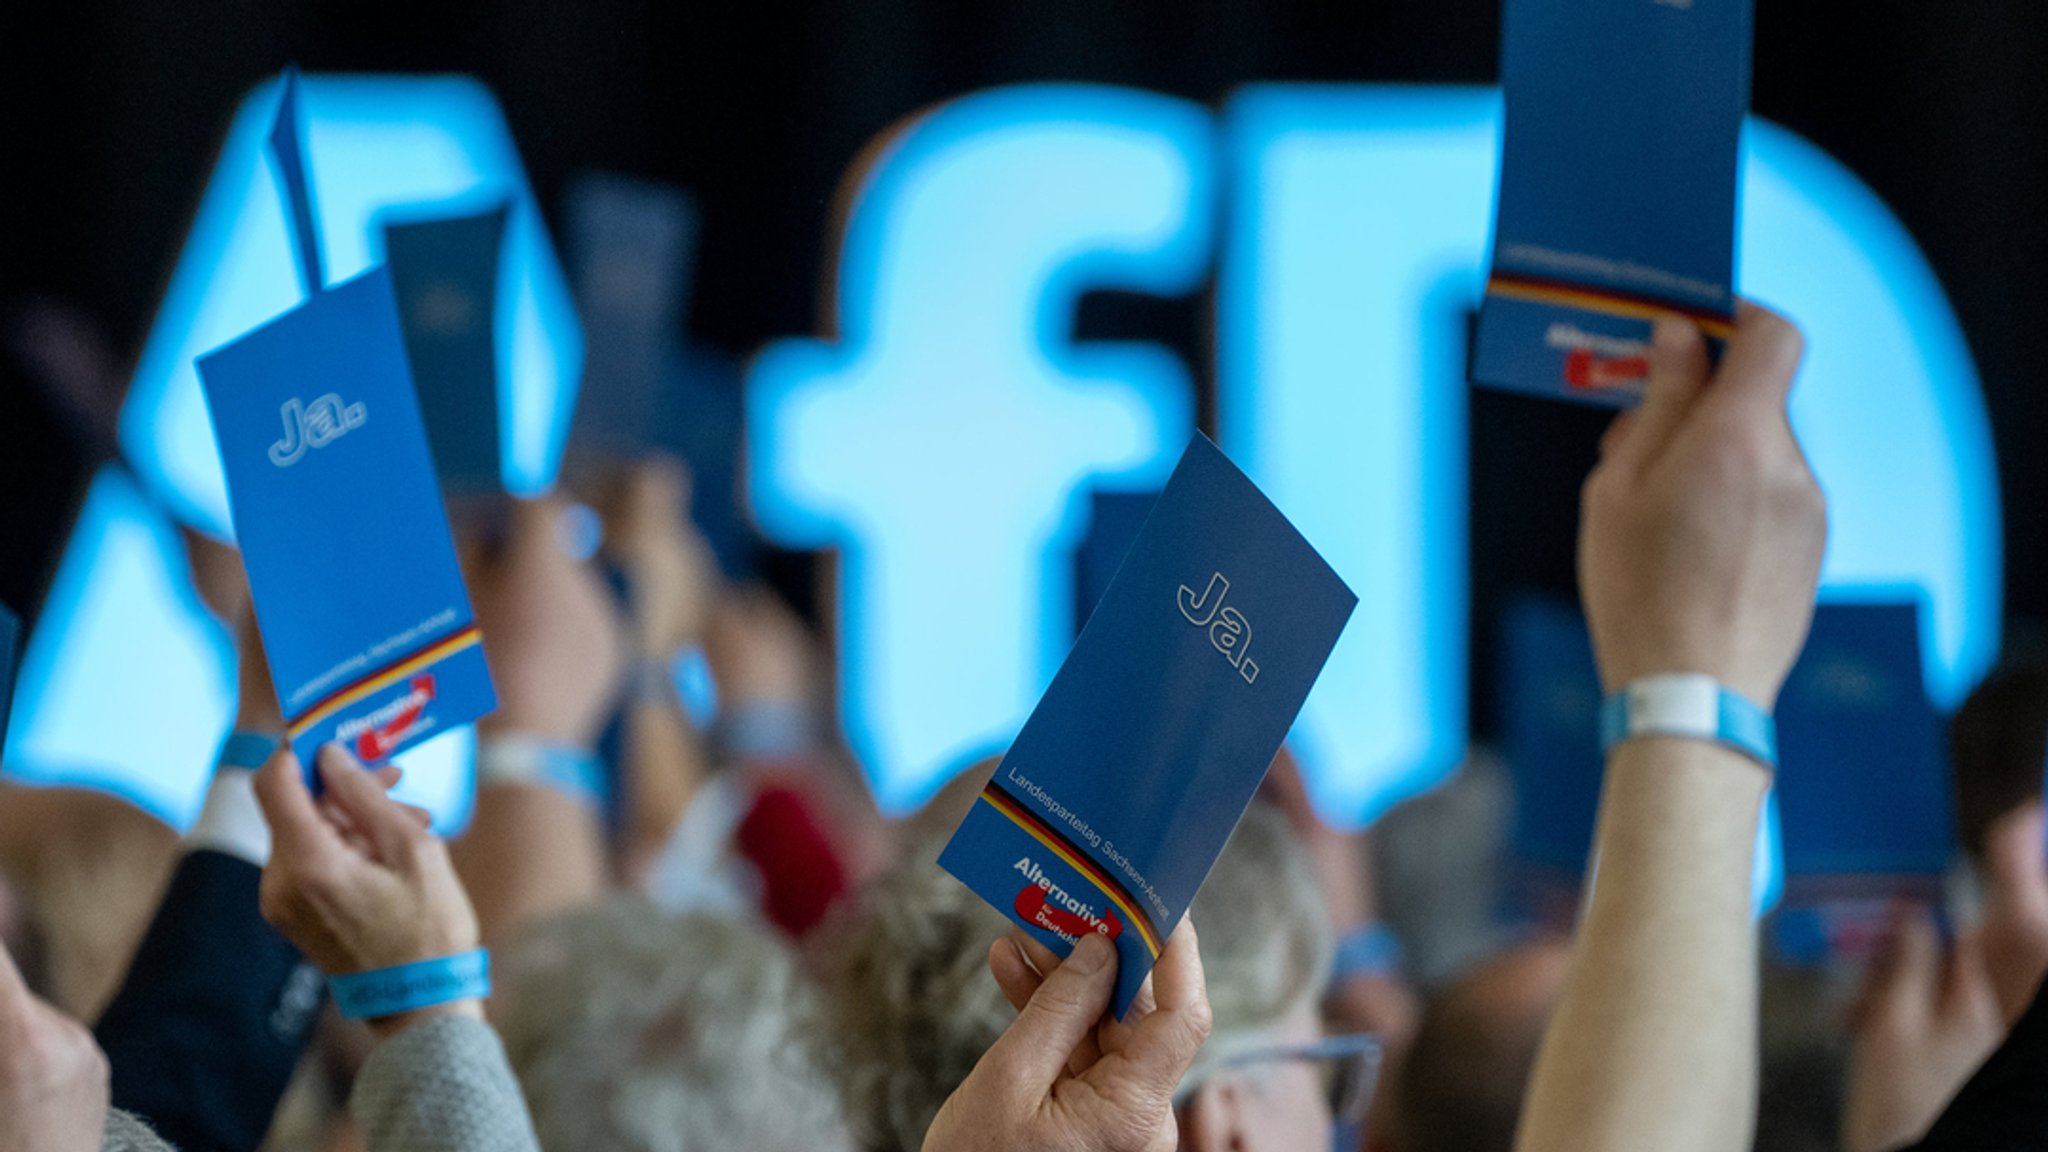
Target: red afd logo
[1584, 368]
[1033, 907]
[390, 724]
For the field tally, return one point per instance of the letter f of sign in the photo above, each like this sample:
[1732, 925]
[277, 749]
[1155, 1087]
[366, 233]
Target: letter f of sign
[953, 420]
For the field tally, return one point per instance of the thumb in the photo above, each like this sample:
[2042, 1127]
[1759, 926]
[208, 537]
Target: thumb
[1068, 1004]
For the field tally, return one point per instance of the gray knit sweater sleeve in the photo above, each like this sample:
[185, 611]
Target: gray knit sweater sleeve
[125, 1133]
[442, 1085]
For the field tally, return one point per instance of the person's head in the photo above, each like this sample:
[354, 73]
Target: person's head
[1998, 744]
[1460, 1088]
[911, 1006]
[633, 1030]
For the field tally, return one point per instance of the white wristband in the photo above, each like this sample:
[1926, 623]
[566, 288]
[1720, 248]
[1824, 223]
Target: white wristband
[1689, 705]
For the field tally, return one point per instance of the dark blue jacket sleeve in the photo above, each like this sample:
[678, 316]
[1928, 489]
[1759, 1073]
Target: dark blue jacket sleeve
[215, 1012]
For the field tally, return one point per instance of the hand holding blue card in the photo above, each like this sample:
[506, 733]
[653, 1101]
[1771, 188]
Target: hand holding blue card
[1619, 161]
[1128, 778]
[365, 619]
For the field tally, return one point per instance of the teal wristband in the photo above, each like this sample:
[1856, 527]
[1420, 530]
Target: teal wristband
[410, 987]
[1689, 706]
[251, 750]
[1373, 950]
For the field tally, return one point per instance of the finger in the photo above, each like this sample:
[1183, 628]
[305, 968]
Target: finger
[1678, 372]
[1617, 431]
[1041, 958]
[1908, 995]
[1966, 986]
[2015, 860]
[379, 817]
[296, 827]
[1043, 961]
[1761, 359]
[14, 994]
[1033, 1052]
[1014, 974]
[1164, 1043]
[386, 775]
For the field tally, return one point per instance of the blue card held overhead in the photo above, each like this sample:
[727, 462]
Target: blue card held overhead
[633, 241]
[1617, 189]
[1128, 778]
[10, 644]
[365, 619]
[445, 272]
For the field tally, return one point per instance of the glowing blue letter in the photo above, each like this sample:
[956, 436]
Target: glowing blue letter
[1358, 246]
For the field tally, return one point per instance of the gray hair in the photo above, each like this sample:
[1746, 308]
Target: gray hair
[910, 1005]
[633, 1030]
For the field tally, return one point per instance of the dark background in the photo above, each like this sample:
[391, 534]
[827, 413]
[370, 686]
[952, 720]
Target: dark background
[110, 114]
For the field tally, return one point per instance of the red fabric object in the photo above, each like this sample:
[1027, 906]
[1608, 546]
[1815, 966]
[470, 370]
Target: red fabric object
[802, 874]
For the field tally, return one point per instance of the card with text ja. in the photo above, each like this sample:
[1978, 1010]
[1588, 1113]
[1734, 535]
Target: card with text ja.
[1118, 795]
[365, 618]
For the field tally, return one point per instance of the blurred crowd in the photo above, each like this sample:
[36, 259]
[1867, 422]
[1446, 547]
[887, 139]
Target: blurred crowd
[704, 936]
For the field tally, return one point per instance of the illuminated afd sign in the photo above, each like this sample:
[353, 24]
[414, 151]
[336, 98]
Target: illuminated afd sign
[942, 443]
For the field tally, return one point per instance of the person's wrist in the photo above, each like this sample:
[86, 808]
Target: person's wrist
[1689, 706]
[385, 1027]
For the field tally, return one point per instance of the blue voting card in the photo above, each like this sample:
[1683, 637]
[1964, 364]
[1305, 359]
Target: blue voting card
[445, 272]
[1618, 172]
[1123, 786]
[1549, 692]
[363, 611]
[10, 653]
[632, 241]
[364, 616]
[1866, 794]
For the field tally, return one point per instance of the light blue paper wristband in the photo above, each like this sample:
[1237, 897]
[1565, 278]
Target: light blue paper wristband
[247, 749]
[1690, 706]
[410, 987]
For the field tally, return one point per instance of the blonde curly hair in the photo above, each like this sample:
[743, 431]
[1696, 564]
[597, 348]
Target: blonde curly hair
[636, 1030]
[910, 1005]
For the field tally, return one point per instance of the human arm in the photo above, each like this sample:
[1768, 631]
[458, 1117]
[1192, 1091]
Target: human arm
[1701, 537]
[534, 847]
[1067, 1077]
[359, 884]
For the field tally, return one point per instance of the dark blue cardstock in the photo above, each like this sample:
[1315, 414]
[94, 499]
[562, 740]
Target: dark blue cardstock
[633, 242]
[1618, 188]
[364, 616]
[1123, 786]
[1864, 794]
[445, 272]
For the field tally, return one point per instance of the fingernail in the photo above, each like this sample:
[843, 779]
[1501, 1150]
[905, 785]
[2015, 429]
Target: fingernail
[1091, 954]
[1670, 333]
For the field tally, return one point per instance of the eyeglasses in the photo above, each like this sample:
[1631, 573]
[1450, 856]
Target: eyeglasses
[1348, 1068]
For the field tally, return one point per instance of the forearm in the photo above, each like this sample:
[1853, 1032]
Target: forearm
[665, 763]
[531, 850]
[1654, 1043]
